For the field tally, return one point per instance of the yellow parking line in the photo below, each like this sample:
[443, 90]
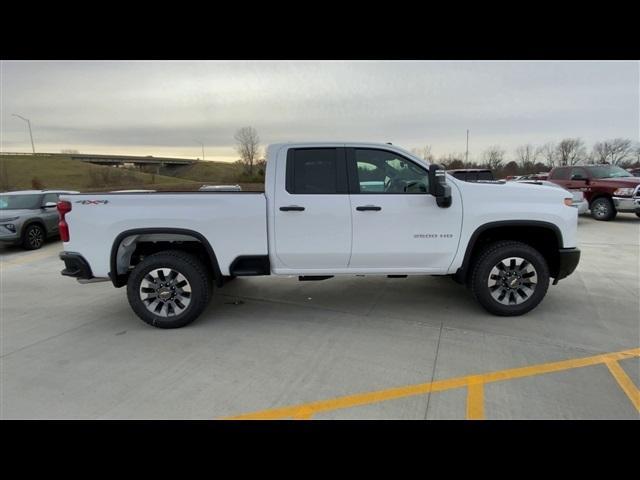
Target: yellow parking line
[475, 401]
[626, 384]
[473, 382]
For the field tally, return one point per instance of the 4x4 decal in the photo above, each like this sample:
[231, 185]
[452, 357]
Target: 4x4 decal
[92, 202]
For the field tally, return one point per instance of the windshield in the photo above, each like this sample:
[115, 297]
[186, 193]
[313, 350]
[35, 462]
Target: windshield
[608, 171]
[17, 202]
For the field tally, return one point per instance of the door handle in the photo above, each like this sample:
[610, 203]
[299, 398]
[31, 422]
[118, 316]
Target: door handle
[367, 208]
[292, 208]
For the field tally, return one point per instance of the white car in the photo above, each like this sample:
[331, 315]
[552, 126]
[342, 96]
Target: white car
[328, 209]
[578, 201]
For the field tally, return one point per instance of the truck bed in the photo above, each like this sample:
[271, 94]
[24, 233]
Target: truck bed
[232, 222]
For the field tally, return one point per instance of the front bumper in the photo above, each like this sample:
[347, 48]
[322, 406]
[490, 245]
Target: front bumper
[8, 235]
[568, 259]
[627, 204]
[75, 266]
[582, 206]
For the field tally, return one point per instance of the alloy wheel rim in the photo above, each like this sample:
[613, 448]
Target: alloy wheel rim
[600, 209]
[512, 281]
[165, 292]
[35, 237]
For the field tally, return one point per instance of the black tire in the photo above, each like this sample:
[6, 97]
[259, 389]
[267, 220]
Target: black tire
[602, 209]
[638, 214]
[490, 258]
[33, 237]
[188, 267]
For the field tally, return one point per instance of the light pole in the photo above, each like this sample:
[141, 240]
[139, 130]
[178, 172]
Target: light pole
[30, 134]
[202, 144]
[466, 155]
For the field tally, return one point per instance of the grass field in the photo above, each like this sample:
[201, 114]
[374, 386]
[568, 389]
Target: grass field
[18, 172]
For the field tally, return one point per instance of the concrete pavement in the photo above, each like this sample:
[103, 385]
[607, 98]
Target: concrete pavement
[78, 351]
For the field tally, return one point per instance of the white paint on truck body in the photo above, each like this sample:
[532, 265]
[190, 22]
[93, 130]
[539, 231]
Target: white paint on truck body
[410, 235]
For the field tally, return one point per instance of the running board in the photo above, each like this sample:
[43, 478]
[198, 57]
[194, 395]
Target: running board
[313, 278]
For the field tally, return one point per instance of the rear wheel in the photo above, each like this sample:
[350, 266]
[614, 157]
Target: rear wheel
[510, 278]
[169, 289]
[33, 237]
[602, 209]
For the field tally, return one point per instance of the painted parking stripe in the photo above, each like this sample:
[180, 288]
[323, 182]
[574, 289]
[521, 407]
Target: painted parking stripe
[474, 384]
[626, 384]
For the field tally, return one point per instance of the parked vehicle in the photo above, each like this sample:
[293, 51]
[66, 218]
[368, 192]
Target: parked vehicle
[472, 174]
[608, 189]
[634, 171]
[28, 217]
[328, 209]
[577, 200]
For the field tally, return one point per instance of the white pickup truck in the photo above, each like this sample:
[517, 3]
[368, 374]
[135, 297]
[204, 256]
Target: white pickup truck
[328, 209]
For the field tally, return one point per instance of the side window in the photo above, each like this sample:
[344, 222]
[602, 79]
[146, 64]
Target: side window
[50, 197]
[380, 171]
[561, 174]
[315, 171]
[581, 172]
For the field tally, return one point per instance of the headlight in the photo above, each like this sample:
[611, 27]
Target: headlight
[623, 192]
[8, 219]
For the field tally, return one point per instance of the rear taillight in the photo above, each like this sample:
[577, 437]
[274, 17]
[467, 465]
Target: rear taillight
[64, 207]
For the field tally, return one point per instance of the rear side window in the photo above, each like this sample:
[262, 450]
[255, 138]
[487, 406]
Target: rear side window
[560, 174]
[485, 176]
[316, 171]
[50, 197]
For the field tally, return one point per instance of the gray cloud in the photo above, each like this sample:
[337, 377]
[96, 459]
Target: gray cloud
[164, 107]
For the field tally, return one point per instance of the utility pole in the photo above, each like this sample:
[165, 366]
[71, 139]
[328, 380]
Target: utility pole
[466, 155]
[30, 134]
[202, 144]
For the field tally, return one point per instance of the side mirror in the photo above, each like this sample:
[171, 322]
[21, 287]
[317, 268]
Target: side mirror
[438, 185]
[50, 205]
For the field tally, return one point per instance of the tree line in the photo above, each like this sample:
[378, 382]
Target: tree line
[525, 159]
[530, 158]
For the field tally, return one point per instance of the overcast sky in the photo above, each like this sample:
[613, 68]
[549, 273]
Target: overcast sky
[165, 108]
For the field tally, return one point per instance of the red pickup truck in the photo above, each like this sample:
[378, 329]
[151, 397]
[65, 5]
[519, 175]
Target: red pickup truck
[608, 189]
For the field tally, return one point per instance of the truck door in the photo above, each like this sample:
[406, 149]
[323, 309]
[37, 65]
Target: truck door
[312, 215]
[397, 225]
[49, 214]
[578, 179]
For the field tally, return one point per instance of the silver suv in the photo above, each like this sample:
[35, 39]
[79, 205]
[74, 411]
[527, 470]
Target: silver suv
[28, 217]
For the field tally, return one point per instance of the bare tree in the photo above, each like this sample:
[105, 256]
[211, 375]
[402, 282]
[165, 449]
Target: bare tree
[248, 146]
[526, 156]
[571, 151]
[549, 152]
[492, 157]
[614, 151]
[424, 153]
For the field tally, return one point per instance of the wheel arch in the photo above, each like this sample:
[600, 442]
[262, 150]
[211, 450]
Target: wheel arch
[546, 237]
[31, 221]
[120, 279]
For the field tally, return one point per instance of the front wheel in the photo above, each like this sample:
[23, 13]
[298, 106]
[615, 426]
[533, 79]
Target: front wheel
[510, 278]
[169, 289]
[602, 209]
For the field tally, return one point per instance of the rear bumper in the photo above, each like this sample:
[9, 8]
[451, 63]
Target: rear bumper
[568, 259]
[627, 204]
[75, 266]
